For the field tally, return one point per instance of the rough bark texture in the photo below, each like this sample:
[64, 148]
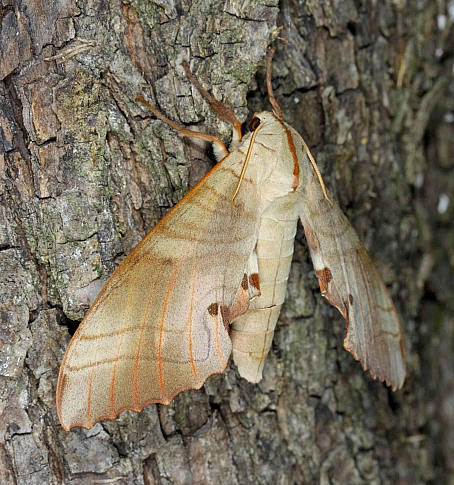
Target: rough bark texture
[86, 172]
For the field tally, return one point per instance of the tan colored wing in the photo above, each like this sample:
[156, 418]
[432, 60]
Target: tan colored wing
[350, 282]
[157, 327]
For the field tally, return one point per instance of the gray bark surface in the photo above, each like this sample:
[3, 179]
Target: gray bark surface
[85, 173]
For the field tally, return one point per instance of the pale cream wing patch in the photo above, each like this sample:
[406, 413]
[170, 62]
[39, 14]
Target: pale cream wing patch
[157, 328]
[349, 280]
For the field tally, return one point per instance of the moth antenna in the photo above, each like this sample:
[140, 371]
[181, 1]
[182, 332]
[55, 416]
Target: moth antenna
[219, 108]
[317, 171]
[269, 86]
[246, 161]
[278, 112]
[219, 147]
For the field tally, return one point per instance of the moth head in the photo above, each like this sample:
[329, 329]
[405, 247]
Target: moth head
[275, 139]
[269, 121]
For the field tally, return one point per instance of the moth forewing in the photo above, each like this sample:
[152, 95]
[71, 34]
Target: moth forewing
[157, 328]
[349, 281]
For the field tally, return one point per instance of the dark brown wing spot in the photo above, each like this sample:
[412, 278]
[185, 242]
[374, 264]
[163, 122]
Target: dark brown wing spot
[244, 282]
[213, 309]
[254, 281]
[350, 298]
[324, 277]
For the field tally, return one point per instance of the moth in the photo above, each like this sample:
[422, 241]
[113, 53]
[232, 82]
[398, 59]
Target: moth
[210, 279]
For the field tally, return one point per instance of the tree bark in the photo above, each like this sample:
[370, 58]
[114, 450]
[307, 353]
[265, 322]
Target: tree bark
[85, 174]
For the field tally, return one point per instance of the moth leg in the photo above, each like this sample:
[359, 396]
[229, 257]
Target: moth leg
[219, 108]
[220, 150]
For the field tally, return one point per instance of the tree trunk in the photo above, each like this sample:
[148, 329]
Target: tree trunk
[85, 174]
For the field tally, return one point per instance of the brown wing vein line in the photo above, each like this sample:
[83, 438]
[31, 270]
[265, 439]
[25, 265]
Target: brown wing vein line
[114, 370]
[114, 333]
[90, 383]
[190, 316]
[340, 250]
[139, 344]
[210, 209]
[232, 172]
[363, 350]
[373, 318]
[89, 392]
[161, 330]
[203, 207]
[197, 239]
[264, 146]
[217, 193]
[78, 368]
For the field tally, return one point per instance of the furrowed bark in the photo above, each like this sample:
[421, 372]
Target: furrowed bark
[85, 174]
